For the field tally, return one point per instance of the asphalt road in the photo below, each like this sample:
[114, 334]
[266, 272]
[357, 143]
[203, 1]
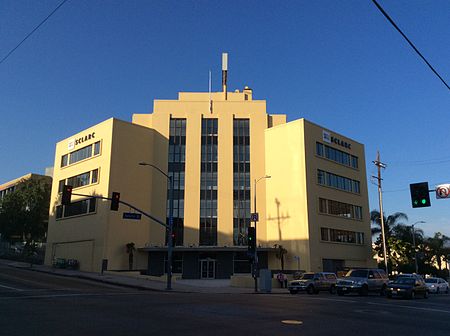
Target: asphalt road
[33, 303]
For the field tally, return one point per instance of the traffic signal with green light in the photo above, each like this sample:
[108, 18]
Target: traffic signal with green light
[66, 195]
[251, 240]
[420, 196]
[115, 199]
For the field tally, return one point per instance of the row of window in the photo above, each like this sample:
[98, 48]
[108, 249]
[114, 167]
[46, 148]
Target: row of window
[336, 155]
[80, 154]
[339, 182]
[80, 180]
[340, 209]
[78, 208]
[341, 236]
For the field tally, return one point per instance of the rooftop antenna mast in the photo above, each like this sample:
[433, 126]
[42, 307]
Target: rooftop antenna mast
[224, 73]
[210, 100]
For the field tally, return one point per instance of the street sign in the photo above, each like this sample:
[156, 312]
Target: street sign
[443, 191]
[131, 215]
[254, 217]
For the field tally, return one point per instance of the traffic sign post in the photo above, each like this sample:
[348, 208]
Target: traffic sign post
[131, 215]
[443, 191]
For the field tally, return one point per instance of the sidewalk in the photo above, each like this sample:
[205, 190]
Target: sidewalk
[126, 280]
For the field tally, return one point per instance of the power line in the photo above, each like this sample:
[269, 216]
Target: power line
[410, 43]
[31, 33]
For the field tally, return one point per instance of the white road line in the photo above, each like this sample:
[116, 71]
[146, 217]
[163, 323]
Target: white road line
[335, 300]
[16, 289]
[410, 307]
[49, 296]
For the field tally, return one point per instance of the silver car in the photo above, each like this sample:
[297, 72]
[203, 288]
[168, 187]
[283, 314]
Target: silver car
[437, 285]
[312, 283]
[363, 281]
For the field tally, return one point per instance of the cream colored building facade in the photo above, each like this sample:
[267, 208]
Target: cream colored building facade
[214, 146]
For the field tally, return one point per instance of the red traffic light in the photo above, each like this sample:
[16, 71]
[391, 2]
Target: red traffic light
[115, 200]
[66, 195]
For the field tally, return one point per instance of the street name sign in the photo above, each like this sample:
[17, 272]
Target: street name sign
[131, 215]
[443, 191]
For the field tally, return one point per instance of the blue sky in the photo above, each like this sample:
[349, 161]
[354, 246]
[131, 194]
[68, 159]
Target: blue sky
[339, 64]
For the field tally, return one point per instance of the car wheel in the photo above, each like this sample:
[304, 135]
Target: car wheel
[383, 291]
[364, 291]
[340, 293]
[438, 291]
[446, 291]
[310, 289]
[293, 291]
[333, 290]
[425, 295]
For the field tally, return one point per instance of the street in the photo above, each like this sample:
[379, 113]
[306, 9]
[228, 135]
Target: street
[35, 303]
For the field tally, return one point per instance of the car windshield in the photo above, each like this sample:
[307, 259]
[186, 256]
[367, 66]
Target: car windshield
[431, 280]
[405, 281]
[307, 276]
[357, 273]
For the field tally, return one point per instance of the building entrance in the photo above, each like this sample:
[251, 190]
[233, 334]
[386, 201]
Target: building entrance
[207, 268]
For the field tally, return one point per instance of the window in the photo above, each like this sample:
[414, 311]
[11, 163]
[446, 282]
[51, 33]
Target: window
[176, 169]
[339, 182]
[80, 180]
[83, 207]
[336, 155]
[342, 236]
[340, 209]
[208, 183]
[241, 180]
[80, 154]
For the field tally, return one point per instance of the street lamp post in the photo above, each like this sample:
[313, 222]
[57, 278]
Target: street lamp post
[414, 245]
[255, 260]
[169, 229]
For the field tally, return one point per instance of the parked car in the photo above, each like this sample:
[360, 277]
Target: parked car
[313, 283]
[437, 285]
[407, 275]
[407, 287]
[363, 281]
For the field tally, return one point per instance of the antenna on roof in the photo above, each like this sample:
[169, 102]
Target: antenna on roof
[224, 73]
[210, 100]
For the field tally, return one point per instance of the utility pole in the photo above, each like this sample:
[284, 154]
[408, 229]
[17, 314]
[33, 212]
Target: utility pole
[380, 165]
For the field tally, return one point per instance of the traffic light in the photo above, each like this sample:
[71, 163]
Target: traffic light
[251, 240]
[115, 201]
[420, 197]
[66, 195]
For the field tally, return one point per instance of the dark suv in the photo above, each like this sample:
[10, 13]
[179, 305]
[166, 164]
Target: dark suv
[363, 281]
[312, 283]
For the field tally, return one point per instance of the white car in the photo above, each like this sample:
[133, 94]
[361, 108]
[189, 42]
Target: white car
[437, 285]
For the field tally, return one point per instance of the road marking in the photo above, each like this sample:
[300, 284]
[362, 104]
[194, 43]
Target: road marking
[49, 296]
[410, 307]
[295, 322]
[335, 300]
[16, 289]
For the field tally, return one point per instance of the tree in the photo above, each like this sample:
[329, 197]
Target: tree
[130, 250]
[281, 251]
[395, 248]
[435, 246]
[24, 212]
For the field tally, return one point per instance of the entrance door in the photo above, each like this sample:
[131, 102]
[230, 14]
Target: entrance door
[207, 268]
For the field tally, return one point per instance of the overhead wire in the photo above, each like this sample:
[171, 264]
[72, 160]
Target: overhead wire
[386, 15]
[31, 33]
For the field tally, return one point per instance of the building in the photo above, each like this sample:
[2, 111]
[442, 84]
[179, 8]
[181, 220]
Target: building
[217, 147]
[10, 186]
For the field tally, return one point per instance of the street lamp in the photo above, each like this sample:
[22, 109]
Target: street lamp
[170, 228]
[255, 219]
[414, 245]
